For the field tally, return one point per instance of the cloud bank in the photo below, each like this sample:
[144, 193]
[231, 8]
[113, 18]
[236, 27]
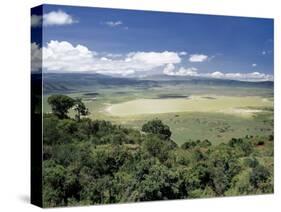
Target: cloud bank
[170, 69]
[62, 56]
[251, 76]
[65, 57]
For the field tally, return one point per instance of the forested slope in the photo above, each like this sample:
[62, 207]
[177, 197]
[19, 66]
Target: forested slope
[95, 162]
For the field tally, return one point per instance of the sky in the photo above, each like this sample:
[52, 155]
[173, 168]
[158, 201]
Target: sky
[140, 43]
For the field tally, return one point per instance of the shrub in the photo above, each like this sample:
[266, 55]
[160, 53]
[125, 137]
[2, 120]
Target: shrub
[158, 128]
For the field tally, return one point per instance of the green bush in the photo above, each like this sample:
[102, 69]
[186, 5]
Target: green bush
[158, 128]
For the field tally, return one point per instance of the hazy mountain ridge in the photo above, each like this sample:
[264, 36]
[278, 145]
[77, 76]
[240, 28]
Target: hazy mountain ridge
[70, 82]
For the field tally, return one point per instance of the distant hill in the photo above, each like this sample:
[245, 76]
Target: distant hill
[72, 82]
[207, 81]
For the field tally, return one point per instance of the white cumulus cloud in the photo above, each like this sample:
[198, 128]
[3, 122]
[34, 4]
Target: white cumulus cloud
[187, 72]
[198, 58]
[182, 72]
[52, 18]
[217, 74]
[57, 18]
[62, 56]
[183, 53]
[113, 23]
[169, 69]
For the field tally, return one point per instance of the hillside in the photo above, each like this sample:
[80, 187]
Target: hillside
[73, 82]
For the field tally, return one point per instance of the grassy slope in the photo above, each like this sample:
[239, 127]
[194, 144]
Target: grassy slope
[215, 127]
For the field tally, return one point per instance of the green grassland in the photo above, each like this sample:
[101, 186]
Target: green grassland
[192, 111]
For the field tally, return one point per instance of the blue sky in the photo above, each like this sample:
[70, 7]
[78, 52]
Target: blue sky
[146, 42]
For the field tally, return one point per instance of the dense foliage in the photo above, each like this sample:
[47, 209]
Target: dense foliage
[60, 105]
[94, 162]
[158, 128]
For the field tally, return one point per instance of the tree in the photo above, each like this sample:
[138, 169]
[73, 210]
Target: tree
[156, 147]
[60, 105]
[191, 144]
[80, 109]
[160, 183]
[205, 143]
[188, 145]
[198, 177]
[157, 127]
[53, 184]
[223, 166]
[259, 175]
[241, 146]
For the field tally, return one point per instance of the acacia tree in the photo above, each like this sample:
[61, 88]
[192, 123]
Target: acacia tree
[60, 105]
[157, 127]
[80, 109]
